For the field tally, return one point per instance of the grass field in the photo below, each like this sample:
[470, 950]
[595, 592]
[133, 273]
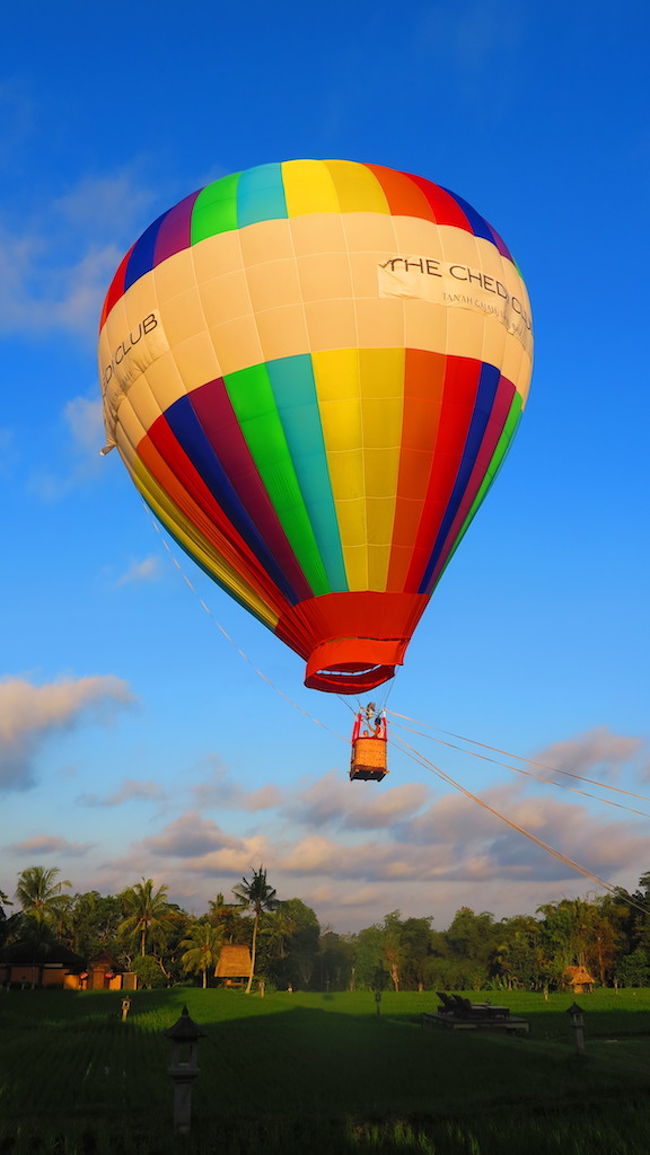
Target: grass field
[322, 1073]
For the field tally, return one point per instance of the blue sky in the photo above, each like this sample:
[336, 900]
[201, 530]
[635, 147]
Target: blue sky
[135, 740]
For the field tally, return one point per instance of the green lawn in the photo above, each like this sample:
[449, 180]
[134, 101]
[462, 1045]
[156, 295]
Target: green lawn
[316, 1072]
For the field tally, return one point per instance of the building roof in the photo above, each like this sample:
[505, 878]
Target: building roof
[234, 963]
[26, 953]
[577, 976]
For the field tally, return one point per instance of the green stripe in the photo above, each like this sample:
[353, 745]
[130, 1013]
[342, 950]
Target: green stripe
[499, 456]
[294, 390]
[254, 404]
[215, 209]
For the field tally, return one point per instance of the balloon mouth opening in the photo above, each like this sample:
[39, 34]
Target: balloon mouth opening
[350, 681]
[353, 665]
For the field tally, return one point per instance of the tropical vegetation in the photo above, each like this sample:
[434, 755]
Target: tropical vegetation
[140, 929]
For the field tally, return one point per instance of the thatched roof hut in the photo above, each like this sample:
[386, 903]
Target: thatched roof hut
[234, 963]
[579, 979]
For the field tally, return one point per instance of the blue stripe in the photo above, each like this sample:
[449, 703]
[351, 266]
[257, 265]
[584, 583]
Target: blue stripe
[294, 390]
[260, 195]
[141, 259]
[480, 227]
[486, 393]
[190, 435]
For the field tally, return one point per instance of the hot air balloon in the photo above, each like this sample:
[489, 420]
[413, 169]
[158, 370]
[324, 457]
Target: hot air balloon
[312, 371]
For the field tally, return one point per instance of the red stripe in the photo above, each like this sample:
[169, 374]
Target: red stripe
[172, 468]
[214, 410]
[446, 211]
[424, 376]
[493, 431]
[116, 289]
[460, 388]
[351, 619]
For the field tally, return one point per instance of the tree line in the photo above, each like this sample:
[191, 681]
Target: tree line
[141, 930]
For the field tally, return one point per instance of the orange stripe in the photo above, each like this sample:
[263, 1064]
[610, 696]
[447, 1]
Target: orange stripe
[423, 391]
[405, 198]
[204, 523]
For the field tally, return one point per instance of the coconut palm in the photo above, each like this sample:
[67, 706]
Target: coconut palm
[39, 894]
[259, 897]
[278, 932]
[147, 912]
[201, 947]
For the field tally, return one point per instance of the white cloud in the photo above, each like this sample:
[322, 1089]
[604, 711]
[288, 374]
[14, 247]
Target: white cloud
[84, 425]
[55, 273]
[131, 790]
[48, 844]
[332, 801]
[30, 714]
[146, 570]
[84, 418]
[189, 836]
[112, 204]
[597, 751]
[453, 848]
[220, 792]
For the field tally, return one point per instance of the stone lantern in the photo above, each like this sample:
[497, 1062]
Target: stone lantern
[183, 1067]
[578, 1023]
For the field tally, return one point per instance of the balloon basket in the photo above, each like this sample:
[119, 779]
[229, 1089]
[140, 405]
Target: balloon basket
[369, 760]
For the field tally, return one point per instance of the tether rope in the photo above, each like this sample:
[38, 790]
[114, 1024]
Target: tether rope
[242, 653]
[519, 757]
[409, 750]
[527, 773]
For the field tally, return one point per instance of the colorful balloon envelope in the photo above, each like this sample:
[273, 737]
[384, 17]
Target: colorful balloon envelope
[312, 371]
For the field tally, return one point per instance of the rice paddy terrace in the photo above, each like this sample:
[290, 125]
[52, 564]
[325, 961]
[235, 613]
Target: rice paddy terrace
[322, 1073]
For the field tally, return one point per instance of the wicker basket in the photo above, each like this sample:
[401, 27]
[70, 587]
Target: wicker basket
[369, 759]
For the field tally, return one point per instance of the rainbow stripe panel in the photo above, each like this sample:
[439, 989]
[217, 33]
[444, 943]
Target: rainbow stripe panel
[312, 371]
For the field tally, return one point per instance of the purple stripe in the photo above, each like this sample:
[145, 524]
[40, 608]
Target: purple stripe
[500, 243]
[174, 233]
[479, 226]
[214, 410]
[495, 426]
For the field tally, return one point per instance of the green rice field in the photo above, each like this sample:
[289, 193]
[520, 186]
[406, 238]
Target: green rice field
[322, 1073]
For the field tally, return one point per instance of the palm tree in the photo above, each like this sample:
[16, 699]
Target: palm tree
[225, 916]
[279, 931]
[202, 947]
[147, 911]
[39, 894]
[258, 896]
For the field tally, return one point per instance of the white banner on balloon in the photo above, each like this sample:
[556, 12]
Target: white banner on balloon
[452, 284]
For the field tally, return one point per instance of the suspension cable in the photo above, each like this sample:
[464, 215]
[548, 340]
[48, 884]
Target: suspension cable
[519, 757]
[410, 750]
[242, 653]
[557, 854]
[527, 773]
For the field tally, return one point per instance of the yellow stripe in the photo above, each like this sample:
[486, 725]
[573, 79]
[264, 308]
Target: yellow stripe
[357, 188]
[361, 399]
[382, 406]
[308, 188]
[195, 544]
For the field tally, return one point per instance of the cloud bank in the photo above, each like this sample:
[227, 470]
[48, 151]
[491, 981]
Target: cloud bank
[30, 714]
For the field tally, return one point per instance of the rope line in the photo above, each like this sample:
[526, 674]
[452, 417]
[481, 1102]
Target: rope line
[519, 757]
[242, 653]
[527, 773]
[416, 755]
[557, 854]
